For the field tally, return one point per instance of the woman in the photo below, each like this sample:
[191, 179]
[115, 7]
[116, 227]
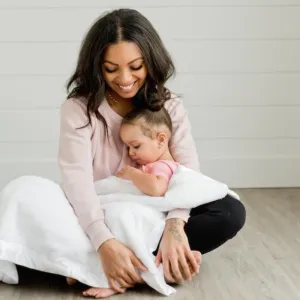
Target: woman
[123, 64]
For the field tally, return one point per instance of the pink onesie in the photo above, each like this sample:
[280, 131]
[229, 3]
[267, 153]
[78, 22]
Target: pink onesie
[165, 168]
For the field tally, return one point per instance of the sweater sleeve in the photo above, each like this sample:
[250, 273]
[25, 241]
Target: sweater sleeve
[76, 166]
[182, 146]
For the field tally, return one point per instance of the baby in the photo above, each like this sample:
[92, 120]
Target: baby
[147, 135]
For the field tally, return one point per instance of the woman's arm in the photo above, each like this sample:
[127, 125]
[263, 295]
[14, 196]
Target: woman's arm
[75, 161]
[182, 146]
[174, 249]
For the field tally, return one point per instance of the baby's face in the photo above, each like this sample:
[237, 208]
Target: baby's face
[142, 149]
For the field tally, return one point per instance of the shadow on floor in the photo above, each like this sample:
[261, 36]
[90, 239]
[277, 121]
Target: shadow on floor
[50, 284]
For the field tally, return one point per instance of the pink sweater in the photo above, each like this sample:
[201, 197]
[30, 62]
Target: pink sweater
[86, 156]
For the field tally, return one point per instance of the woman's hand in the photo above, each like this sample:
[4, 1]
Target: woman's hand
[175, 253]
[119, 264]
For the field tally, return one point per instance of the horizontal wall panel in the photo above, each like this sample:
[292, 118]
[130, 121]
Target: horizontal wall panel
[135, 3]
[254, 172]
[189, 57]
[251, 122]
[207, 122]
[11, 170]
[26, 151]
[30, 92]
[207, 148]
[199, 23]
[237, 89]
[236, 56]
[250, 148]
[29, 126]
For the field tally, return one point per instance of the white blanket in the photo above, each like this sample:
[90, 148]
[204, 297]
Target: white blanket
[39, 230]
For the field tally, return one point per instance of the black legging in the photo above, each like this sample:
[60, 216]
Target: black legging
[212, 224]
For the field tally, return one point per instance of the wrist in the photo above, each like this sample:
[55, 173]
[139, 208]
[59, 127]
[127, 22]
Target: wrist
[133, 172]
[174, 230]
[105, 244]
[175, 222]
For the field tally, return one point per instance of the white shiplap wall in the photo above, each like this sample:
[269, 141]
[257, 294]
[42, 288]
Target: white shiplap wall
[238, 65]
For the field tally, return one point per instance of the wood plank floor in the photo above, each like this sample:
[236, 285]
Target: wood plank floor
[262, 262]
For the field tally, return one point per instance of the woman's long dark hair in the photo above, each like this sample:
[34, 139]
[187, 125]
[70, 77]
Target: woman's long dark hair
[88, 83]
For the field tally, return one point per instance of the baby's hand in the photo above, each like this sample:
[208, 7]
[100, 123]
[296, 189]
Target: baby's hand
[126, 172]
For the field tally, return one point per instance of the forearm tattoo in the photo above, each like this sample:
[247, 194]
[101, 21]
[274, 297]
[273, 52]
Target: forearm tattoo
[174, 229]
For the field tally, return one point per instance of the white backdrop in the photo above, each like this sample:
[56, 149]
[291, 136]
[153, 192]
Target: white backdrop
[238, 65]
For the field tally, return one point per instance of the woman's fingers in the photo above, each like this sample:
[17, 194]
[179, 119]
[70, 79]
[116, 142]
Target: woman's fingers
[126, 276]
[124, 283]
[114, 286]
[167, 271]
[193, 261]
[175, 269]
[158, 258]
[185, 267]
[134, 275]
[137, 263]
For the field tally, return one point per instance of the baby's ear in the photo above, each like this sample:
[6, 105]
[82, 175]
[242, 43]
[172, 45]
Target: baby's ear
[162, 139]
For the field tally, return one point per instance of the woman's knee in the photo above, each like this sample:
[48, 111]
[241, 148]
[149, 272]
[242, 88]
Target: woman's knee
[234, 214]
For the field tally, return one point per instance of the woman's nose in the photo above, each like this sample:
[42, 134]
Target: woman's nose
[126, 77]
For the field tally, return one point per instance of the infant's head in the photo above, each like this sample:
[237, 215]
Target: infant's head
[147, 134]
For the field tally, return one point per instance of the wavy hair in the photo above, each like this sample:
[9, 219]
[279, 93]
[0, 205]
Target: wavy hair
[87, 82]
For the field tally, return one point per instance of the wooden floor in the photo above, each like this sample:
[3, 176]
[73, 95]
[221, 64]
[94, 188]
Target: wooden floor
[262, 262]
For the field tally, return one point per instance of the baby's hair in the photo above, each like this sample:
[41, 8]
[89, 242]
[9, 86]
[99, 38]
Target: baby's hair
[151, 118]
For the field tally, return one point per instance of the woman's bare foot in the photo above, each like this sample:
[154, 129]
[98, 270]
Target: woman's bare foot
[99, 292]
[198, 258]
[71, 281]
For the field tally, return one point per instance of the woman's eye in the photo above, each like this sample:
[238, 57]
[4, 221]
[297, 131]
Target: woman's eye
[136, 147]
[109, 70]
[136, 68]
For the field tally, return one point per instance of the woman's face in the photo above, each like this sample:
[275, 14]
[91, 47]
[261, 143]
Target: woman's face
[124, 69]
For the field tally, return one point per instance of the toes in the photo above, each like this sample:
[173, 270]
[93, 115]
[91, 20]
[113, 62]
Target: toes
[198, 256]
[105, 294]
[99, 292]
[91, 292]
[199, 259]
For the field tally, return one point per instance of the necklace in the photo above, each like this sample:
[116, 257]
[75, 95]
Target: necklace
[112, 99]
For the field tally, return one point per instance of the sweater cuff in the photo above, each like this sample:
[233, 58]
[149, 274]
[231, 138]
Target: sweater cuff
[179, 213]
[98, 233]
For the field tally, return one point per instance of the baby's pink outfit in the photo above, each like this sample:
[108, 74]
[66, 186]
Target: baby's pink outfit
[165, 168]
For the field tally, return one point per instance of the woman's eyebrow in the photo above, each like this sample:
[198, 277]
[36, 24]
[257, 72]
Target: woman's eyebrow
[112, 63]
[135, 60]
